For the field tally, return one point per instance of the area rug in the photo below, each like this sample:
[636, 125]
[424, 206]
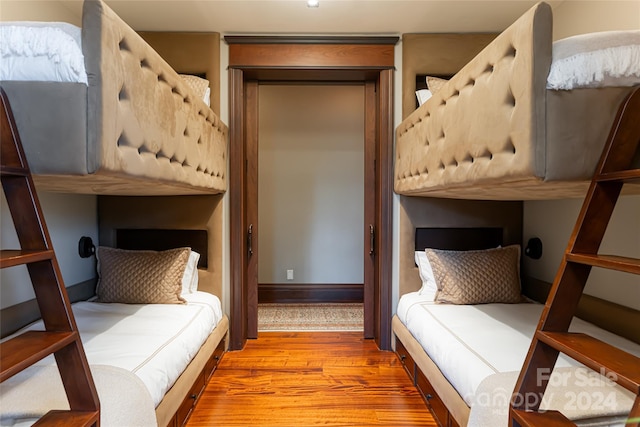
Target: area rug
[310, 317]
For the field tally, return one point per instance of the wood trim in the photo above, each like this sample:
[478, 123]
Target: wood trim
[376, 40]
[371, 133]
[251, 199]
[238, 318]
[310, 293]
[286, 62]
[310, 56]
[385, 210]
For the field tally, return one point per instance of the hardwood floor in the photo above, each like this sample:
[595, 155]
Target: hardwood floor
[310, 378]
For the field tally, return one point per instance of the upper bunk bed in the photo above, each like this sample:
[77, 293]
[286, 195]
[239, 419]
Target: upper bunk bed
[124, 122]
[512, 124]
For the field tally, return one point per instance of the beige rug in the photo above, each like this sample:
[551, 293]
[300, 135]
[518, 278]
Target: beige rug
[310, 317]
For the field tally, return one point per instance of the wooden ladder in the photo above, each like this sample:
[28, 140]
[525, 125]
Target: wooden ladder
[61, 337]
[551, 336]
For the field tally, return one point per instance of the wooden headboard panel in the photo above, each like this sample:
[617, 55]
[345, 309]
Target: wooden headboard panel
[458, 238]
[163, 239]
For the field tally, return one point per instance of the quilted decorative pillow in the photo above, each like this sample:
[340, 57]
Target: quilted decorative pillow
[141, 277]
[477, 277]
[199, 86]
[435, 84]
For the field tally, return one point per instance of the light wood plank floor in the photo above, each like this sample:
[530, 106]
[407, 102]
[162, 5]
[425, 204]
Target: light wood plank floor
[307, 379]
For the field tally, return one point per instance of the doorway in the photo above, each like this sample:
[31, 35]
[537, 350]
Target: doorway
[311, 212]
[256, 60]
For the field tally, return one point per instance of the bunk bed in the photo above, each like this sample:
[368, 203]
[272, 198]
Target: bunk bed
[520, 120]
[152, 337]
[465, 358]
[118, 119]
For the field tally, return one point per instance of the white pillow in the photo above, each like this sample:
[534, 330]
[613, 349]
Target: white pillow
[429, 287]
[607, 58]
[423, 95]
[190, 277]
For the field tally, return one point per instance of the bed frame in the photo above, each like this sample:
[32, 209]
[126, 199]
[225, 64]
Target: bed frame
[440, 396]
[136, 129]
[444, 402]
[495, 132]
[178, 403]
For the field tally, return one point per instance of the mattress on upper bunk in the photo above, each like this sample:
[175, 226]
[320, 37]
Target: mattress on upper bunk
[480, 349]
[505, 127]
[152, 342]
[104, 106]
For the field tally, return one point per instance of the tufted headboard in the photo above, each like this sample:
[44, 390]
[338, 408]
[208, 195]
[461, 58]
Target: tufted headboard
[136, 129]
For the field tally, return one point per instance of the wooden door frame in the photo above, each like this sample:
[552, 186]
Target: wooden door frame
[309, 59]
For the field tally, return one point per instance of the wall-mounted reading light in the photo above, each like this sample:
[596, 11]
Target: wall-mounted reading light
[313, 3]
[86, 248]
[534, 248]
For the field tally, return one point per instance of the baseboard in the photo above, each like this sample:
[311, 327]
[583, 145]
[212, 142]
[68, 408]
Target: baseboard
[20, 315]
[310, 293]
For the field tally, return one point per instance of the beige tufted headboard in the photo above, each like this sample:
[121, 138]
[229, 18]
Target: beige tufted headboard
[136, 129]
[144, 120]
[495, 132]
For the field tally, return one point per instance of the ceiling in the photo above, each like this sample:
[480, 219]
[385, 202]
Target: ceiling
[332, 17]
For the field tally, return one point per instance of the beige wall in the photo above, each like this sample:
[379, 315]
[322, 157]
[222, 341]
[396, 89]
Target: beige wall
[39, 10]
[553, 221]
[577, 17]
[311, 185]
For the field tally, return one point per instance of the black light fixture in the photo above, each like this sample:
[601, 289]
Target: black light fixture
[86, 248]
[534, 248]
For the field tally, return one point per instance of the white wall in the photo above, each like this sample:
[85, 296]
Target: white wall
[68, 217]
[553, 221]
[311, 183]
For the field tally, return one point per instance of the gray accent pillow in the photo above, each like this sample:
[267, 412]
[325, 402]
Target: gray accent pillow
[477, 277]
[141, 277]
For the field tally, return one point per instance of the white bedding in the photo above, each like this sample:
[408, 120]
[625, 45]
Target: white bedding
[471, 342]
[41, 51]
[156, 344]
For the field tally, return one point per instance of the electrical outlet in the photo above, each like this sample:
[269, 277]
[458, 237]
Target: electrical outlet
[289, 274]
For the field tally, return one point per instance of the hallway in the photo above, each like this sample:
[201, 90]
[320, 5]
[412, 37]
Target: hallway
[310, 378]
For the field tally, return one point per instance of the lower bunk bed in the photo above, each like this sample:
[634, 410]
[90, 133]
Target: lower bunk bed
[465, 358]
[150, 361]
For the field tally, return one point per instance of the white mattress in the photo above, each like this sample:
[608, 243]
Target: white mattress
[471, 342]
[155, 342]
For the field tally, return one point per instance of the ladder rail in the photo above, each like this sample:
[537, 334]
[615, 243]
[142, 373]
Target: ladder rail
[614, 169]
[61, 337]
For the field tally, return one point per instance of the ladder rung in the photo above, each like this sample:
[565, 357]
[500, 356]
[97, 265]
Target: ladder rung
[13, 171]
[537, 419]
[10, 257]
[624, 176]
[618, 365]
[26, 349]
[68, 418]
[612, 262]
